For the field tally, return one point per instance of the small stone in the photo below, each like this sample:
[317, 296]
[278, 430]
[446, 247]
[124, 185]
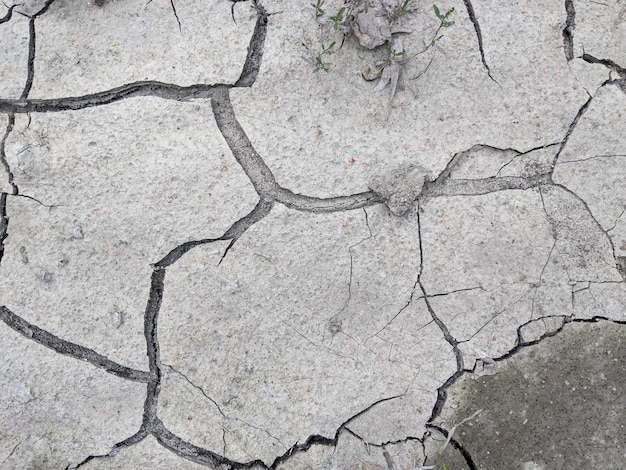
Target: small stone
[77, 233]
[371, 26]
[401, 187]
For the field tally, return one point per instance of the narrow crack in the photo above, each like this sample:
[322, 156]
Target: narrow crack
[11, 453]
[581, 111]
[586, 209]
[568, 30]
[386, 443]
[201, 390]
[520, 154]
[224, 415]
[180, 28]
[617, 219]
[132, 440]
[578, 160]
[545, 265]
[494, 316]
[67, 348]
[402, 309]
[479, 36]
[335, 323]
[323, 346]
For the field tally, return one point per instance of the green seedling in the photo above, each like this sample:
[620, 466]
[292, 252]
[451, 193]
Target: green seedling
[444, 23]
[444, 17]
[338, 18]
[318, 7]
[398, 12]
[255, 8]
[319, 60]
[393, 52]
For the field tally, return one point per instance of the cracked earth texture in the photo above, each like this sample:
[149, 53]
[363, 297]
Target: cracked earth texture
[216, 233]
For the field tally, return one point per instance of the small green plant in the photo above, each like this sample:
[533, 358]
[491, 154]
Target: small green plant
[398, 12]
[444, 23]
[338, 18]
[319, 60]
[318, 7]
[255, 8]
[444, 17]
[393, 52]
[374, 33]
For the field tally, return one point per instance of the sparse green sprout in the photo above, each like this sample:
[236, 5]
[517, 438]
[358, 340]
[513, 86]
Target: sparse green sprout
[444, 23]
[318, 7]
[320, 65]
[319, 61]
[393, 52]
[444, 18]
[338, 18]
[398, 12]
[256, 8]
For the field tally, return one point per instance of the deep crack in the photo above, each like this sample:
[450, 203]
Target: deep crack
[67, 348]
[270, 192]
[568, 30]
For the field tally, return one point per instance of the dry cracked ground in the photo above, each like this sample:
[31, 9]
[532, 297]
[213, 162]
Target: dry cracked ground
[211, 256]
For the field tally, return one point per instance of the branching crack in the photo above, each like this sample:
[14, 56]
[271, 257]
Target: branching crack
[263, 207]
[494, 316]
[621, 71]
[262, 177]
[269, 192]
[9, 13]
[581, 111]
[30, 75]
[451, 340]
[317, 439]
[132, 440]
